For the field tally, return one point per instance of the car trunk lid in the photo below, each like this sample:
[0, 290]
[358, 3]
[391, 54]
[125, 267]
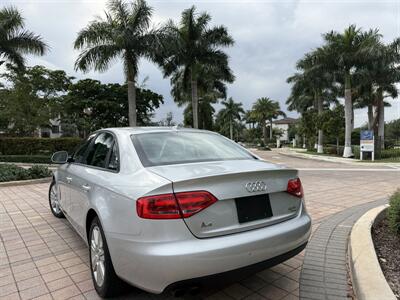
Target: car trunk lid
[251, 194]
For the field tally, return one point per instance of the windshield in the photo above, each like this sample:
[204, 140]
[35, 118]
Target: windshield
[166, 148]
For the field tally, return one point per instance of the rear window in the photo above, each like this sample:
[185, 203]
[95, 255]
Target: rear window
[167, 148]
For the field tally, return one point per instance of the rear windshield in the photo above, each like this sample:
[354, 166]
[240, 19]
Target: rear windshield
[167, 148]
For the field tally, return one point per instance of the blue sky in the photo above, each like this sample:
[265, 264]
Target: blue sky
[270, 36]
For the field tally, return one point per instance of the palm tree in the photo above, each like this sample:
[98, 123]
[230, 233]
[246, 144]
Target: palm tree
[342, 54]
[249, 118]
[192, 45]
[211, 87]
[124, 33]
[15, 41]
[383, 72]
[231, 113]
[265, 110]
[313, 87]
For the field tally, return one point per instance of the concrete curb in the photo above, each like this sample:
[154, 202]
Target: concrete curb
[25, 182]
[369, 283]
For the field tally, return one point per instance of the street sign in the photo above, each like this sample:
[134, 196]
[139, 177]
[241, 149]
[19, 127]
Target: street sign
[367, 143]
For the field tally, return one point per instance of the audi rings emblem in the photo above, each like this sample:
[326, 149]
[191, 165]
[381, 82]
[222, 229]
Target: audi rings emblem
[257, 186]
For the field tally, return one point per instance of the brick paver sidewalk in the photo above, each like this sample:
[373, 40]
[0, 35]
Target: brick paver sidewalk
[41, 256]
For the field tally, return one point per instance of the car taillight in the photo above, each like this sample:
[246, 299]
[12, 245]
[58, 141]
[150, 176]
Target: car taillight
[158, 207]
[295, 188]
[173, 206]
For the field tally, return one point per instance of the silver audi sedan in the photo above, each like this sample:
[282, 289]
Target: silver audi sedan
[167, 208]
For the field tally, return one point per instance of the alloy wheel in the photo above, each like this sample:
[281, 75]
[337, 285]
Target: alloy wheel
[97, 256]
[55, 205]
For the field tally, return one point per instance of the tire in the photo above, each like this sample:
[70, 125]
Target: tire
[54, 201]
[107, 284]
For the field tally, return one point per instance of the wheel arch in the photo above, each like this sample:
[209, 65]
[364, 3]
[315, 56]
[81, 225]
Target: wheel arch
[91, 214]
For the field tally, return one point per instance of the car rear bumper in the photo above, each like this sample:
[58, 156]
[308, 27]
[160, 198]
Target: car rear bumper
[234, 275]
[154, 266]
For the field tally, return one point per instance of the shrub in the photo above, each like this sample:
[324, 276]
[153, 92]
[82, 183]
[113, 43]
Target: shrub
[10, 172]
[393, 213]
[38, 159]
[36, 146]
[39, 172]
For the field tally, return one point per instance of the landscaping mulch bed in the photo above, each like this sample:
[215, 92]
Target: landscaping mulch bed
[387, 246]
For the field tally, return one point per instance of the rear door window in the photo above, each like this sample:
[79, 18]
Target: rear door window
[99, 150]
[80, 153]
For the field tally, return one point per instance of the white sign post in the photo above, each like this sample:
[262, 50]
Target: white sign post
[367, 143]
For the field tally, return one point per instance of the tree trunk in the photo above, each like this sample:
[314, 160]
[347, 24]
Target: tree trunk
[370, 116]
[265, 133]
[320, 146]
[348, 107]
[230, 129]
[381, 122]
[131, 95]
[270, 130]
[195, 101]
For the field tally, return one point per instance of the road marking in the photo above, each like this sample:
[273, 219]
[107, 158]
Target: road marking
[350, 170]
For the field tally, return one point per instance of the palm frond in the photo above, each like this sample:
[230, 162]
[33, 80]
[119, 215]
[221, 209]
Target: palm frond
[98, 57]
[10, 19]
[29, 43]
[97, 32]
[14, 57]
[139, 19]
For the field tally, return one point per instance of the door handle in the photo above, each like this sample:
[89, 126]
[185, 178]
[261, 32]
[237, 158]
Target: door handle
[86, 187]
[69, 179]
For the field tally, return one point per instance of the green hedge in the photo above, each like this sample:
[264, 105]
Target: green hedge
[9, 172]
[36, 146]
[386, 154]
[35, 159]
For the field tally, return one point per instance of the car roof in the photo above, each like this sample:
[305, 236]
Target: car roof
[137, 130]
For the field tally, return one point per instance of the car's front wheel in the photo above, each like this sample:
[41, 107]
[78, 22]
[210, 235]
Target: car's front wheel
[54, 201]
[106, 282]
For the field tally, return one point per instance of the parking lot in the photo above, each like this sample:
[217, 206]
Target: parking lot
[41, 257]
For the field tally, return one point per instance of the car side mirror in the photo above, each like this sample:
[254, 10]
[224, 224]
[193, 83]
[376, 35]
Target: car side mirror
[60, 157]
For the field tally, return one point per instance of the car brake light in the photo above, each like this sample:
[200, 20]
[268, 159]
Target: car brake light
[158, 207]
[191, 203]
[295, 188]
[173, 206]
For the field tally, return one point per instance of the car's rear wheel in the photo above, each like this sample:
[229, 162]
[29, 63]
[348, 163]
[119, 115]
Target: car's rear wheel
[105, 281]
[54, 201]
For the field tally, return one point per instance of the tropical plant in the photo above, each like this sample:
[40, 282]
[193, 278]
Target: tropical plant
[392, 130]
[265, 110]
[90, 105]
[249, 118]
[332, 122]
[377, 80]
[205, 112]
[31, 97]
[124, 33]
[192, 47]
[15, 40]
[342, 54]
[231, 114]
[312, 87]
